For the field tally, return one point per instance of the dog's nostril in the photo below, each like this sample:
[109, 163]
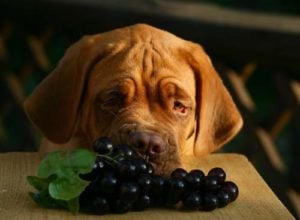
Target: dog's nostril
[157, 146]
[140, 140]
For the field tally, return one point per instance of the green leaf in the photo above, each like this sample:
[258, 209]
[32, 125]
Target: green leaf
[58, 180]
[73, 205]
[43, 199]
[64, 165]
[67, 188]
[40, 183]
[81, 160]
[51, 164]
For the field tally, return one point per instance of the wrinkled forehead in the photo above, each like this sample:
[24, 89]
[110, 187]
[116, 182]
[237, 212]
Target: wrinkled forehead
[144, 62]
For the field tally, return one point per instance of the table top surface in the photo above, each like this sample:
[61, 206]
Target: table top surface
[256, 200]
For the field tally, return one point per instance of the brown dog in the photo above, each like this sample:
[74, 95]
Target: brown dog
[138, 85]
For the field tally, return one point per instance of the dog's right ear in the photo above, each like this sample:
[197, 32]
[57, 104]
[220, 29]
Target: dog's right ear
[217, 118]
[54, 104]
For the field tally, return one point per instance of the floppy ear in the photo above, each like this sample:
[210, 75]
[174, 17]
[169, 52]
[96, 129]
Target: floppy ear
[217, 118]
[54, 104]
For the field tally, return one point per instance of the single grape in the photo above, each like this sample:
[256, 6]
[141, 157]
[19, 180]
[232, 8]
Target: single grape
[121, 207]
[108, 183]
[145, 182]
[197, 172]
[158, 185]
[99, 167]
[219, 173]
[211, 183]
[140, 165]
[194, 179]
[232, 189]
[128, 191]
[158, 190]
[179, 173]
[143, 202]
[223, 198]
[103, 145]
[94, 187]
[175, 189]
[100, 206]
[86, 199]
[210, 202]
[127, 169]
[176, 185]
[192, 201]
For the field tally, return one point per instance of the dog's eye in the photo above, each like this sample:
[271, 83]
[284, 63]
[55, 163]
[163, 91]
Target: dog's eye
[113, 99]
[180, 108]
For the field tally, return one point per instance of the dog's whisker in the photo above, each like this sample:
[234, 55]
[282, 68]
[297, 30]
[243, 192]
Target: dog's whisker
[112, 113]
[147, 158]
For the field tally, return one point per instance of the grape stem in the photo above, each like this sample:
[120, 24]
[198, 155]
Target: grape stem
[108, 158]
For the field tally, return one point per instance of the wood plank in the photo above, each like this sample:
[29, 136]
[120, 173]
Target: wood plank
[238, 84]
[256, 199]
[295, 198]
[247, 71]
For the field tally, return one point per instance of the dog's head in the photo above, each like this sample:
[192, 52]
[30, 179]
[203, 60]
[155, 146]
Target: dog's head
[141, 86]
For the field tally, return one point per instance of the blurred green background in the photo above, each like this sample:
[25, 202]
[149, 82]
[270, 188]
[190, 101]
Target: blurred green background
[35, 35]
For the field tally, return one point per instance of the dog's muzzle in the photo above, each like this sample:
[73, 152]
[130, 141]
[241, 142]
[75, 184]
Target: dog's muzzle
[147, 143]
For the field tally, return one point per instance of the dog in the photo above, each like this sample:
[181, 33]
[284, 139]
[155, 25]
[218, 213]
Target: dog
[140, 86]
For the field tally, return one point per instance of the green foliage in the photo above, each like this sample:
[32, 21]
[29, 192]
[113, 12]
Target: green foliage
[40, 183]
[58, 182]
[67, 188]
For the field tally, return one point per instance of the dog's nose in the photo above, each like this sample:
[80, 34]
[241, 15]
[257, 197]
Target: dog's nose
[149, 143]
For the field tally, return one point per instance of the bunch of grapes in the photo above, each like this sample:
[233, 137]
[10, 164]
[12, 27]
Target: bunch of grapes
[122, 181]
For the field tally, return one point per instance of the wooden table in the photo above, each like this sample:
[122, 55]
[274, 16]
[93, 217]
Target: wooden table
[256, 200]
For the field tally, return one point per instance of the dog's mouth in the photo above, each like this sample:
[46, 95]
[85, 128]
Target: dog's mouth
[155, 160]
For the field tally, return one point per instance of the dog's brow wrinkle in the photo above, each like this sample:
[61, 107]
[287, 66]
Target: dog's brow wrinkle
[144, 60]
[153, 72]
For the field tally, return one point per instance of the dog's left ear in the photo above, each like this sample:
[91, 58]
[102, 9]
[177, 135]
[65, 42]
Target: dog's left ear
[53, 107]
[217, 117]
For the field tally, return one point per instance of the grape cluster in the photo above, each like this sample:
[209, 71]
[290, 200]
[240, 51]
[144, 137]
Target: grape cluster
[122, 181]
